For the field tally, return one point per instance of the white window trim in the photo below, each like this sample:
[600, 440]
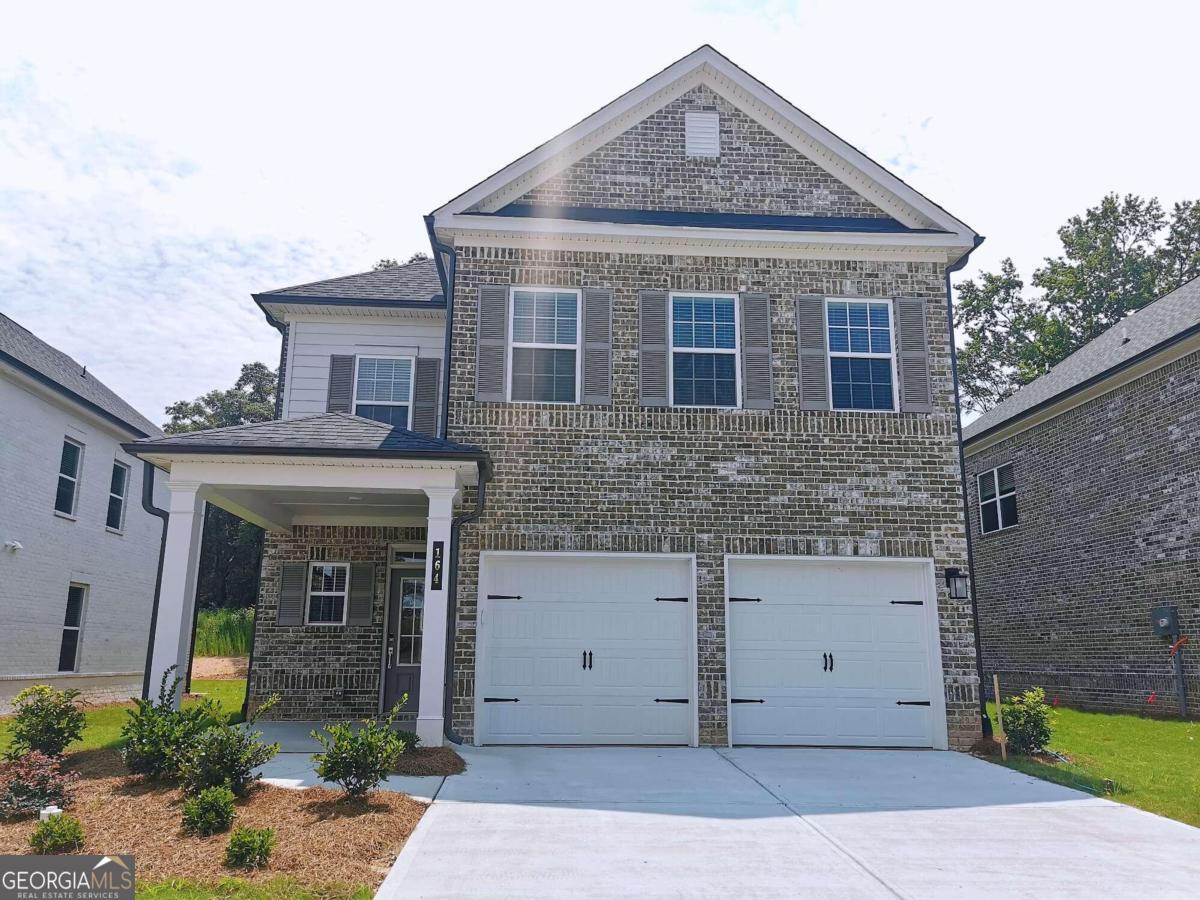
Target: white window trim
[994, 474]
[537, 345]
[83, 605]
[124, 498]
[830, 354]
[308, 592]
[73, 514]
[736, 351]
[412, 385]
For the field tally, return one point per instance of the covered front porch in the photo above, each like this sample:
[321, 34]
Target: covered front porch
[352, 612]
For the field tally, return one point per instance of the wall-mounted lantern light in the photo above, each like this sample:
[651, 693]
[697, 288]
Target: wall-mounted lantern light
[956, 584]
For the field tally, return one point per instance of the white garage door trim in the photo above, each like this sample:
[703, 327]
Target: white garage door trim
[937, 690]
[481, 649]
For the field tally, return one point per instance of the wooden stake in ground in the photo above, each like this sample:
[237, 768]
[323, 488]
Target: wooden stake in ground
[1003, 739]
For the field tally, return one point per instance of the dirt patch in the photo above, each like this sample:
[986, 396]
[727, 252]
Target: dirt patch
[221, 667]
[430, 761]
[320, 837]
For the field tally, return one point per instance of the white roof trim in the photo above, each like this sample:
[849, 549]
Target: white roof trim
[707, 66]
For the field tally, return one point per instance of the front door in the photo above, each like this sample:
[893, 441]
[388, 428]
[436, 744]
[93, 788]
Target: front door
[402, 657]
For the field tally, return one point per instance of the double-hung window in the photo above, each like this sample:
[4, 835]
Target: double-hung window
[861, 355]
[69, 466]
[997, 499]
[544, 356]
[328, 587]
[68, 649]
[704, 351]
[383, 389]
[117, 489]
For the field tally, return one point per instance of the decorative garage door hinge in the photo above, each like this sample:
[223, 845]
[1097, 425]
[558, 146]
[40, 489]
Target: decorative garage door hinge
[740, 700]
[672, 700]
[907, 602]
[504, 596]
[501, 700]
[745, 599]
[912, 702]
[670, 599]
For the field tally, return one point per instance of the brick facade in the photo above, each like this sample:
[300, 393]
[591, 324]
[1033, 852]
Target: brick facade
[1107, 499]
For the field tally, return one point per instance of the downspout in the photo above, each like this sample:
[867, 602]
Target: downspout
[447, 265]
[148, 506]
[962, 471]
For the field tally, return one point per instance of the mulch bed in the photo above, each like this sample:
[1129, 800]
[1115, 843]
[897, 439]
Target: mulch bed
[320, 836]
[430, 761]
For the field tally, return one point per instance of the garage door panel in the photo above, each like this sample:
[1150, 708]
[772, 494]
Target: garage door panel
[780, 623]
[795, 722]
[762, 671]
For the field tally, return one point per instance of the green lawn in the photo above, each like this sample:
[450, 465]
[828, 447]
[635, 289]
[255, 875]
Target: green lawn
[1154, 764]
[103, 729]
[238, 889]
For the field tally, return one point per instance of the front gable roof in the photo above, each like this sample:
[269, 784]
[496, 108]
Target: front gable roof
[414, 285]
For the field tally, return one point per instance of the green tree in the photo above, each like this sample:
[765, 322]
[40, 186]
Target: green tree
[251, 399]
[390, 263]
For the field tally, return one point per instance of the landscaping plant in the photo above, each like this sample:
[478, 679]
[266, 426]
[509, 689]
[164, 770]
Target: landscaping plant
[208, 812]
[249, 848]
[32, 782]
[158, 737]
[224, 632]
[357, 759]
[410, 739]
[227, 755]
[1027, 722]
[45, 719]
[58, 834]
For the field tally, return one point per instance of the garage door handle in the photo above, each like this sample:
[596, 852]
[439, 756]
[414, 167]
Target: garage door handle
[501, 700]
[912, 702]
[741, 700]
[830, 662]
[824, 662]
[584, 666]
[589, 660]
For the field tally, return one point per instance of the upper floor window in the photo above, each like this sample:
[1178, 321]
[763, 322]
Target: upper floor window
[544, 357]
[704, 352]
[997, 499]
[69, 467]
[117, 489]
[861, 357]
[383, 389]
[328, 587]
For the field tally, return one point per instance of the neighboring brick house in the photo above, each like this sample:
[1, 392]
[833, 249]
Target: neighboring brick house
[1085, 516]
[78, 553]
[688, 475]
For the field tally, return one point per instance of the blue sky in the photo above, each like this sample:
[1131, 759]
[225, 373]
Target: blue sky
[160, 162]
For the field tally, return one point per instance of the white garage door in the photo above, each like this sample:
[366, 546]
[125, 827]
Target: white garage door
[834, 653]
[584, 649]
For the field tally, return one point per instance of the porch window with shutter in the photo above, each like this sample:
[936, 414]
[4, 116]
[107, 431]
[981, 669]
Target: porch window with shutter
[328, 590]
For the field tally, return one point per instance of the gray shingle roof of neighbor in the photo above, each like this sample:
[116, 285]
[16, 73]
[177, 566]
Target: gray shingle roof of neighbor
[1169, 318]
[413, 281]
[323, 434]
[25, 351]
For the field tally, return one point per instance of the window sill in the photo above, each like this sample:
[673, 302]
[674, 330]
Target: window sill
[112, 530]
[1006, 528]
[67, 516]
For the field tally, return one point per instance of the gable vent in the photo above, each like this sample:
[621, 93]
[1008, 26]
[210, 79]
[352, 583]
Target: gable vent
[702, 132]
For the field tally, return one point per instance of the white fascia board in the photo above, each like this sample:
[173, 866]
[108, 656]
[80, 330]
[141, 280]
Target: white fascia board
[295, 312]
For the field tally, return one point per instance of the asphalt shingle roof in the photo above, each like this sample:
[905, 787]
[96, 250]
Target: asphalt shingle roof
[1136, 334]
[23, 348]
[413, 281]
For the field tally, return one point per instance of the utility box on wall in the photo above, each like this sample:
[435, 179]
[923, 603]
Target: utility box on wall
[1165, 621]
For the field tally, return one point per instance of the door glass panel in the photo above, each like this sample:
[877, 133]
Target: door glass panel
[412, 620]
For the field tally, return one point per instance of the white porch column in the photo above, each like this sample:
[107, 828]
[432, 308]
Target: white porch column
[430, 723]
[177, 597]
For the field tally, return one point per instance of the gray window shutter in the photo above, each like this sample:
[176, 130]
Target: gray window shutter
[362, 594]
[491, 345]
[652, 350]
[424, 416]
[597, 345]
[291, 594]
[756, 351]
[341, 384]
[912, 355]
[814, 357]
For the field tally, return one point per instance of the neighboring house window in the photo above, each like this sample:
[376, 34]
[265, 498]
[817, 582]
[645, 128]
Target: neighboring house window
[544, 346]
[861, 360]
[383, 388]
[328, 584]
[68, 651]
[997, 499]
[69, 467]
[117, 490]
[704, 360]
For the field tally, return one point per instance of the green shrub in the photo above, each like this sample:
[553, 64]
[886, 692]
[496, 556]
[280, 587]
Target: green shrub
[358, 759]
[224, 632]
[58, 834]
[32, 782]
[46, 720]
[158, 737]
[411, 741]
[227, 755]
[249, 848]
[1028, 722]
[208, 812]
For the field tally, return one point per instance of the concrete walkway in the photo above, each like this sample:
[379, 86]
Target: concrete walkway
[621, 822]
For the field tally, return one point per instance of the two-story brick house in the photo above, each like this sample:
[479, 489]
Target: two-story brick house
[665, 450]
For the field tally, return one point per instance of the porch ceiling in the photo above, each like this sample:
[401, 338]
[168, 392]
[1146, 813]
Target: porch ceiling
[278, 508]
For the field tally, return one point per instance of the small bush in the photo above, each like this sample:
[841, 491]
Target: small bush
[58, 834]
[224, 632]
[46, 720]
[32, 782]
[227, 755]
[158, 737]
[1028, 722]
[358, 759]
[411, 741]
[208, 812]
[249, 848]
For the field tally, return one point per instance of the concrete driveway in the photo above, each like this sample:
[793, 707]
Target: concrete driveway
[634, 822]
